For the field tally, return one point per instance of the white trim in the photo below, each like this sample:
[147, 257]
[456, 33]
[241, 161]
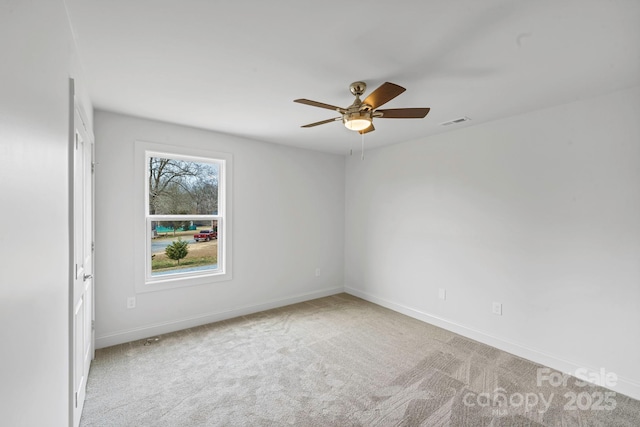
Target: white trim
[134, 334]
[624, 386]
[225, 252]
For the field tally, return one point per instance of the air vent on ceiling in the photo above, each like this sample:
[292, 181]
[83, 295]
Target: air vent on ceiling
[455, 121]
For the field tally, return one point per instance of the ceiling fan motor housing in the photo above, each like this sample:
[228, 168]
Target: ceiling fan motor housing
[358, 88]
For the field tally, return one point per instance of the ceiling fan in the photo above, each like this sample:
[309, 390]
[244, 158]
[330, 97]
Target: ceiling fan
[359, 115]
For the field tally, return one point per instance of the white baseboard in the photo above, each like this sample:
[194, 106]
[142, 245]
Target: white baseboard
[146, 331]
[624, 386]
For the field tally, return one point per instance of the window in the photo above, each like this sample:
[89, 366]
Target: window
[186, 216]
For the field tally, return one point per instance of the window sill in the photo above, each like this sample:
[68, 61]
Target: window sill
[182, 281]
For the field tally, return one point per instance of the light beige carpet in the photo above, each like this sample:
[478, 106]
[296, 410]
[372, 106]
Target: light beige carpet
[335, 361]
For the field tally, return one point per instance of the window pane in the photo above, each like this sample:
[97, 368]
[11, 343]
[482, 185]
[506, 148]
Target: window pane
[174, 248]
[179, 187]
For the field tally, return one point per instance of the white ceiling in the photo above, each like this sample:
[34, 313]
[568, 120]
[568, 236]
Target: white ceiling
[236, 66]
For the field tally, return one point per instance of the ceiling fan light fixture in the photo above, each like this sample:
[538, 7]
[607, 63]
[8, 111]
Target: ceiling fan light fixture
[359, 115]
[357, 121]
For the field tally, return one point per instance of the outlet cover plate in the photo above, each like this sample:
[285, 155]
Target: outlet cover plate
[131, 302]
[497, 308]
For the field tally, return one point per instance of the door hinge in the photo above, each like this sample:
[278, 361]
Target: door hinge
[93, 325]
[76, 140]
[93, 246]
[93, 167]
[76, 396]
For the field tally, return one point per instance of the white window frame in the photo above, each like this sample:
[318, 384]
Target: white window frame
[144, 281]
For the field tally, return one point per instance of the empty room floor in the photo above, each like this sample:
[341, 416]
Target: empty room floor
[335, 361]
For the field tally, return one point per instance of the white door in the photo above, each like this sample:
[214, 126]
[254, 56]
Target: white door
[82, 314]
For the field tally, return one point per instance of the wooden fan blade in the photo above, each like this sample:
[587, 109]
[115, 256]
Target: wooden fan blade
[367, 130]
[319, 104]
[404, 113]
[310, 125]
[383, 94]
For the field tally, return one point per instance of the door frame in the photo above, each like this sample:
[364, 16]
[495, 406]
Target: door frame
[77, 120]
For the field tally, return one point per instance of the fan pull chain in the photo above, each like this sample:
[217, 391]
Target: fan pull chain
[362, 146]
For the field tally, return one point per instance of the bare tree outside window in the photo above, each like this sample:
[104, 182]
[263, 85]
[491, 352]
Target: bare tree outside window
[178, 187]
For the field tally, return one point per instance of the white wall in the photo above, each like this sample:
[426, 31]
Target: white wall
[288, 219]
[540, 212]
[38, 57]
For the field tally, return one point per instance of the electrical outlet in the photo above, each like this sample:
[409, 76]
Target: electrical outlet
[497, 308]
[318, 272]
[131, 302]
[442, 294]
